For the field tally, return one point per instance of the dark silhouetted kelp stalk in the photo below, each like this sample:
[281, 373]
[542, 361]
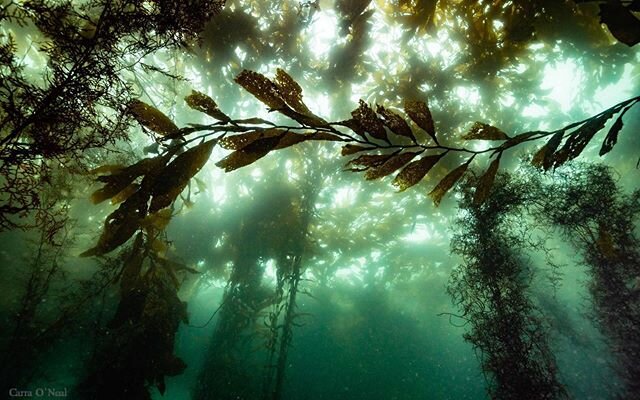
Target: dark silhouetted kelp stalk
[241, 342]
[135, 350]
[491, 290]
[599, 220]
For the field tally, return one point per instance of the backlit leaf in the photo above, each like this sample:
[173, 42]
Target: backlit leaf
[172, 180]
[396, 123]
[352, 149]
[579, 139]
[612, 136]
[125, 193]
[152, 118]
[123, 177]
[355, 126]
[447, 183]
[522, 137]
[249, 153]
[291, 92]
[415, 171]
[203, 103]
[157, 220]
[121, 224]
[544, 157]
[262, 88]
[290, 138]
[486, 182]
[391, 165]
[419, 113]
[237, 142]
[481, 131]
[368, 119]
[367, 161]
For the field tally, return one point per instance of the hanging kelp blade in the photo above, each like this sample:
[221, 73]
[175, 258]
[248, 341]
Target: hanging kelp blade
[176, 175]
[419, 113]
[482, 131]
[367, 119]
[152, 118]
[390, 166]
[447, 183]
[396, 123]
[486, 183]
[205, 104]
[120, 225]
[415, 171]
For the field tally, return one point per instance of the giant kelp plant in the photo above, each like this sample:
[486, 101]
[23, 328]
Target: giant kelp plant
[225, 256]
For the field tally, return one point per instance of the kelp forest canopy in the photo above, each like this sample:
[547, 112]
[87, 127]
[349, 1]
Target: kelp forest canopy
[344, 199]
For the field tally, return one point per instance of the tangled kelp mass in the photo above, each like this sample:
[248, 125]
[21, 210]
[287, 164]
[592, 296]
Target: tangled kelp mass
[196, 204]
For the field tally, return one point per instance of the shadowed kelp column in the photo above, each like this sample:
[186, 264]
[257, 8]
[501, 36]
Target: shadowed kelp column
[598, 219]
[491, 290]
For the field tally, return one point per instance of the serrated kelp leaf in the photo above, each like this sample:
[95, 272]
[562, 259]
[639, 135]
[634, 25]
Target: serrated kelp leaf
[173, 178]
[291, 92]
[121, 224]
[367, 161]
[390, 166]
[482, 131]
[578, 140]
[205, 104]
[237, 142]
[396, 123]
[352, 149]
[522, 137]
[249, 153]
[368, 120]
[419, 113]
[253, 121]
[544, 157]
[612, 136]
[122, 178]
[261, 88]
[152, 118]
[485, 183]
[354, 125]
[447, 183]
[415, 171]
[290, 138]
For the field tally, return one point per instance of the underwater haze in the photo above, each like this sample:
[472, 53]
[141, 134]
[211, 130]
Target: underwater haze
[314, 200]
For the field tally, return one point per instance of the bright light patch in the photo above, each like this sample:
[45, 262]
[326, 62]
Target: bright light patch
[353, 274]
[270, 270]
[322, 33]
[345, 196]
[468, 95]
[257, 173]
[615, 92]
[564, 80]
[241, 54]
[534, 110]
[320, 104]
[420, 233]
